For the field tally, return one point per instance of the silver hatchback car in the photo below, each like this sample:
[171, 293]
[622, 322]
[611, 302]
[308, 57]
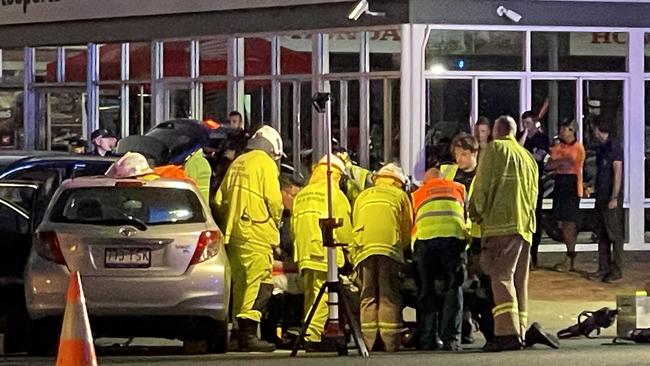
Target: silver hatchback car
[151, 260]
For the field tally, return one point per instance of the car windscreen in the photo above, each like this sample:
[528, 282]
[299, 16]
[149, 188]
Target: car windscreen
[112, 206]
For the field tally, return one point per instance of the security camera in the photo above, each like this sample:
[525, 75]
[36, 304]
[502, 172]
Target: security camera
[362, 7]
[319, 101]
[510, 14]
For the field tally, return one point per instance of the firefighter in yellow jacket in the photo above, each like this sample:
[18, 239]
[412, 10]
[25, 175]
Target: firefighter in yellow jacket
[358, 178]
[382, 219]
[250, 207]
[309, 206]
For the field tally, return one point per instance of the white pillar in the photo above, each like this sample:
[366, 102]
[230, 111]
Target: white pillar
[412, 100]
[633, 181]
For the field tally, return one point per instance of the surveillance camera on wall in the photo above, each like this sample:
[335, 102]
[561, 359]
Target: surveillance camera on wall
[362, 7]
[359, 9]
[510, 14]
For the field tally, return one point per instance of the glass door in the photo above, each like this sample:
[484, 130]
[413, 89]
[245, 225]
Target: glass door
[295, 123]
[178, 101]
[62, 116]
[11, 119]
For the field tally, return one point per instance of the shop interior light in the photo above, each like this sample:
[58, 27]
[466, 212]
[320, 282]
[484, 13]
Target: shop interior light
[437, 69]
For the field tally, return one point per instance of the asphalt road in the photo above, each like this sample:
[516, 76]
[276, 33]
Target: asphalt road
[574, 352]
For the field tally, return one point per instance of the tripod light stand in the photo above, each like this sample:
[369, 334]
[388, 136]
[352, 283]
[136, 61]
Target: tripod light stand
[333, 335]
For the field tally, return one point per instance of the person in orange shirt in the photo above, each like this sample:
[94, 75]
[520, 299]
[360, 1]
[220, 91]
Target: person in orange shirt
[567, 160]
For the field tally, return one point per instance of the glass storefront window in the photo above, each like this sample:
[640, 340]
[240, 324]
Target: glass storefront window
[295, 54]
[385, 50]
[305, 126]
[555, 102]
[110, 116]
[11, 119]
[287, 116]
[460, 50]
[257, 103]
[345, 112]
[176, 59]
[140, 61]
[110, 61]
[76, 64]
[215, 101]
[178, 101]
[257, 56]
[449, 108]
[139, 109]
[344, 50]
[604, 98]
[46, 65]
[384, 112]
[213, 56]
[579, 51]
[498, 97]
[13, 66]
[62, 114]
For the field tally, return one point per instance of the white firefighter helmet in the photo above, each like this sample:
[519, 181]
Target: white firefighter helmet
[336, 163]
[392, 170]
[272, 136]
[130, 165]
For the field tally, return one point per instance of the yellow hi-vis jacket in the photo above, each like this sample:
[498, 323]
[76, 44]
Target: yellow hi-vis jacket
[382, 219]
[505, 190]
[197, 167]
[249, 202]
[358, 181]
[449, 173]
[309, 206]
[439, 207]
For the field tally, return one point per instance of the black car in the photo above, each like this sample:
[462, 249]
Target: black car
[27, 182]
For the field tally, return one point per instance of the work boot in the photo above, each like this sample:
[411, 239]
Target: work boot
[503, 343]
[537, 335]
[452, 346]
[612, 277]
[597, 276]
[248, 341]
[564, 265]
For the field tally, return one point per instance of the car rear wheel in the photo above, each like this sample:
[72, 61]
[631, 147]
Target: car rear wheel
[218, 339]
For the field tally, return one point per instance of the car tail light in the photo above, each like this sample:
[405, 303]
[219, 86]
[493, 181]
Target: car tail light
[48, 247]
[208, 246]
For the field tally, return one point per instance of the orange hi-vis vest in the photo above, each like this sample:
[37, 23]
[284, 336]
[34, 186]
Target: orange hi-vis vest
[439, 207]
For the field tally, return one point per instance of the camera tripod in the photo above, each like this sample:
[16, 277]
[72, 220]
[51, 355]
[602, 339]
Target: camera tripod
[334, 337]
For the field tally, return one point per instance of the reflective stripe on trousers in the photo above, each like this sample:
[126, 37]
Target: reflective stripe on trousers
[381, 301]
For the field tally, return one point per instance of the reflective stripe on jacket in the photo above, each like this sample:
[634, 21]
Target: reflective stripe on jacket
[382, 219]
[309, 206]
[505, 190]
[249, 202]
[439, 207]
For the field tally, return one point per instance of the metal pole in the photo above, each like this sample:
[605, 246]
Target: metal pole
[332, 267]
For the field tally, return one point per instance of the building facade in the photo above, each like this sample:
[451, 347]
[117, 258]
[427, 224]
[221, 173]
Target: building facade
[400, 83]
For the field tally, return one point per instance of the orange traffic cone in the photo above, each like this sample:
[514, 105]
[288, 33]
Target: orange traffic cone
[76, 346]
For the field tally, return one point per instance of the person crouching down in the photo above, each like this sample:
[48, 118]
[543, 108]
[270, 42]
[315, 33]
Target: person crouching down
[440, 235]
[309, 206]
[382, 222]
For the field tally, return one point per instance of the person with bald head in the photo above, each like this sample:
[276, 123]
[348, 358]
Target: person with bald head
[503, 203]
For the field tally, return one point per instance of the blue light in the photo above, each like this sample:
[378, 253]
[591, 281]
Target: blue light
[460, 64]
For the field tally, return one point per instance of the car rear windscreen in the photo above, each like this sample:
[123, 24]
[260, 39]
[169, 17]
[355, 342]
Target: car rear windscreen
[120, 205]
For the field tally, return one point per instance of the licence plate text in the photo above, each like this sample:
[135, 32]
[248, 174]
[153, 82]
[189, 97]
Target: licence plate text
[127, 258]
